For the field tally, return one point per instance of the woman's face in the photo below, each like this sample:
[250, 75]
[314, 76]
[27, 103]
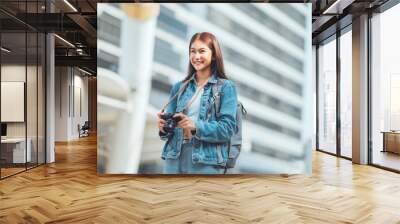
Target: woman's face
[200, 55]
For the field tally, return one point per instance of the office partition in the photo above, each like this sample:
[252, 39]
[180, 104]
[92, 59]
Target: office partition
[22, 77]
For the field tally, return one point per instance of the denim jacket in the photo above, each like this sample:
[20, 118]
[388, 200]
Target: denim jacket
[212, 134]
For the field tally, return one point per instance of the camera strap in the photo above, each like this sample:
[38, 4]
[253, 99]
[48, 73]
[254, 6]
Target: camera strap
[181, 89]
[198, 90]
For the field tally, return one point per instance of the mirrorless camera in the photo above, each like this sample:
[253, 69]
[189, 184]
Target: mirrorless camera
[170, 122]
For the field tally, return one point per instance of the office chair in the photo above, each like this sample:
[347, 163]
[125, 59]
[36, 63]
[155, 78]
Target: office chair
[84, 130]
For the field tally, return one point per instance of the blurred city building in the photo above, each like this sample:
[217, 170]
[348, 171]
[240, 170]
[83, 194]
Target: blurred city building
[265, 49]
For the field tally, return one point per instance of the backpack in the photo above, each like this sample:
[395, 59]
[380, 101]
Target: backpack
[235, 143]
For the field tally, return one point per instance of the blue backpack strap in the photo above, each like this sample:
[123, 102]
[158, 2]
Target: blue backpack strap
[235, 142]
[217, 93]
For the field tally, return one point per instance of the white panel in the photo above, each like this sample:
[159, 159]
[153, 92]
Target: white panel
[12, 101]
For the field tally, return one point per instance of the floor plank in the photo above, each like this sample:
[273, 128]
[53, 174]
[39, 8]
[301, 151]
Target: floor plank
[70, 191]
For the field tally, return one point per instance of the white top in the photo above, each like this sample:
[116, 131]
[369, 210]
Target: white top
[194, 109]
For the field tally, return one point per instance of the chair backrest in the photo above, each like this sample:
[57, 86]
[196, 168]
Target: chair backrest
[86, 125]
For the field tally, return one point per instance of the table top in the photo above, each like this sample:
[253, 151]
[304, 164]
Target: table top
[391, 132]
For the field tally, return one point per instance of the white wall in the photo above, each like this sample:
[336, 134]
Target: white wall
[14, 73]
[33, 126]
[10, 73]
[61, 103]
[80, 100]
[71, 87]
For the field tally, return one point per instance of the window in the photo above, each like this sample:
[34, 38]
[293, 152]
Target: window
[346, 94]
[268, 100]
[165, 54]
[296, 15]
[254, 39]
[109, 29]
[262, 70]
[273, 126]
[272, 22]
[327, 96]
[108, 61]
[167, 21]
[385, 89]
[160, 89]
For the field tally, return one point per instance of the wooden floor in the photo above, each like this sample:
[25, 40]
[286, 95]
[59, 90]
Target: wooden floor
[387, 159]
[69, 191]
[10, 171]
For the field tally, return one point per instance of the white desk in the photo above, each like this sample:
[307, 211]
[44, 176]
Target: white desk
[19, 149]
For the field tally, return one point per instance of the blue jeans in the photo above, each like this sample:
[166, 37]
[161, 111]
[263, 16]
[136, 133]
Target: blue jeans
[184, 164]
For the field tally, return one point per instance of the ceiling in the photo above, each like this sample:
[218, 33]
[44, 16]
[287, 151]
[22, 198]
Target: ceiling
[332, 15]
[76, 22]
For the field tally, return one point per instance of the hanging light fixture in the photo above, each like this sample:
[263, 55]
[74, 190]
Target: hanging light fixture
[70, 5]
[64, 40]
[5, 50]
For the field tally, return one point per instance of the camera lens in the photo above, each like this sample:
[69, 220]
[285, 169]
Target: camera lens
[170, 122]
[170, 125]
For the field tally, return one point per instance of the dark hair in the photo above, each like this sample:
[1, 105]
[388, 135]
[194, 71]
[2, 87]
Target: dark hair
[217, 64]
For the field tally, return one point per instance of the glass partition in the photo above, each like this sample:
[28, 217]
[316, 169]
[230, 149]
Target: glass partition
[14, 154]
[22, 88]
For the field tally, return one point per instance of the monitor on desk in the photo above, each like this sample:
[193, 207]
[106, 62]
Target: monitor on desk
[3, 129]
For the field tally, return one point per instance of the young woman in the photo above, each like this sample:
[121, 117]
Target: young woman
[199, 143]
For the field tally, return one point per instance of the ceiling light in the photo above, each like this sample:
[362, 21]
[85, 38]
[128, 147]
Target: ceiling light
[5, 50]
[331, 7]
[84, 71]
[79, 51]
[338, 6]
[65, 41]
[70, 5]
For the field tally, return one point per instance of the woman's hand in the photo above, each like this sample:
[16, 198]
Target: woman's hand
[160, 122]
[185, 122]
